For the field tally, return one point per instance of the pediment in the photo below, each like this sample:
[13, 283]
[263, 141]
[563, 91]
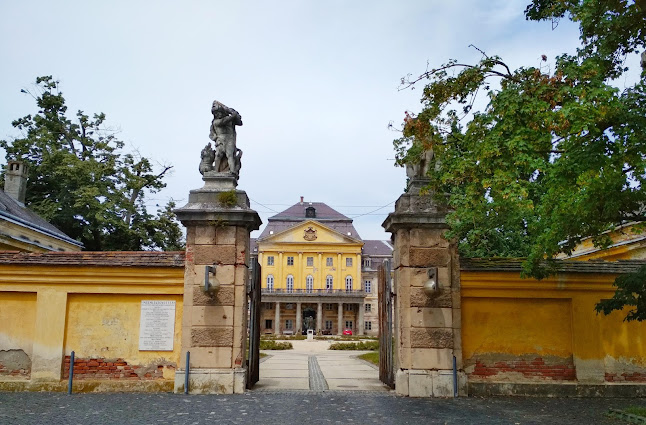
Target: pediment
[309, 232]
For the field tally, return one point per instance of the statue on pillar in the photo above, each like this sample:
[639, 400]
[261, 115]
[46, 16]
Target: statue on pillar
[226, 157]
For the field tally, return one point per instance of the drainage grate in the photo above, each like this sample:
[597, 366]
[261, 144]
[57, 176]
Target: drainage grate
[317, 380]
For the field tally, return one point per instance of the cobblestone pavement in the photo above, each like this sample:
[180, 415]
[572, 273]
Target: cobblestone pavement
[300, 407]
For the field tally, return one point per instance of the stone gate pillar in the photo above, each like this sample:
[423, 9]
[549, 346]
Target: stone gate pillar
[427, 324]
[218, 222]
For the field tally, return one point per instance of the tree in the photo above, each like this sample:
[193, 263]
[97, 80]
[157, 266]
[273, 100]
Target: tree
[81, 182]
[553, 157]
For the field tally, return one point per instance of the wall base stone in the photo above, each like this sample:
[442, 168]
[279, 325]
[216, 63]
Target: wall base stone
[562, 389]
[428, 383]
[212, 381]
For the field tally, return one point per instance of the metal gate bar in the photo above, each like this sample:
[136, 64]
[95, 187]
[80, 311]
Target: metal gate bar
[386, 371]
[253, 365]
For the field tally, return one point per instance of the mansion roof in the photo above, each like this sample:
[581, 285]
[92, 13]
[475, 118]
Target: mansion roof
[296, 214]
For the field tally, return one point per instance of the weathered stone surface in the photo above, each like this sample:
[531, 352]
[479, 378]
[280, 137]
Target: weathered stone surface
[424, 257]
[429, 238]
[212, 337]
[431, 338]
[225, 296]
[210, 357]
[432, 358]
[204, 235]
[215, 254]
[431, 317]
[419, 299]
[212, 315]
[226, 235]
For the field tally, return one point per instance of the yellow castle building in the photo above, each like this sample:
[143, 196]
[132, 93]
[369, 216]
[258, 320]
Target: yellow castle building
[316, 273]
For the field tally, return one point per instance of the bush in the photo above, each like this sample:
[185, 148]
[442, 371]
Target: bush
[283, 337]
[359, 346]
[274, 345]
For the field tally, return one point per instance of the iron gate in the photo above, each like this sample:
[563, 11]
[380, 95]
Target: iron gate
[253, 363]
[386, 372]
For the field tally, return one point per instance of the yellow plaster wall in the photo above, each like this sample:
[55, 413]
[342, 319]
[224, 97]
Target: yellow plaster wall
[516, 326]
[503, 314]
[17, 321]
[107, 326]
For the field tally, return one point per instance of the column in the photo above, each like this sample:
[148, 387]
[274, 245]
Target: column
[339, 277]
[319, 318]
[299, 273]
[340, 320]
[214, 323]
[426, 336]
[360, 328]
[277, 320]
[280, 281]
[47, 356]
[299, 318]
[321, 279]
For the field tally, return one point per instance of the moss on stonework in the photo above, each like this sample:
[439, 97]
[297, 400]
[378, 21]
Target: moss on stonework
[228, 198]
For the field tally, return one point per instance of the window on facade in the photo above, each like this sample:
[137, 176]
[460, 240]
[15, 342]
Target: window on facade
[348, 324]
[368, 308]
[329, 262]
[289, 324]
[289, 306]
[366, 262]
[367, 326]
[290, 283]
[309, 284]
[270, 260]
[348, 283]
[348, 262]
[310, 261]
[328, 325]
[348, 307]
[329, 306]
[269, 324]
[367, 286]
[269, 306]
[329, 281]
[290, 261]
[270, 283]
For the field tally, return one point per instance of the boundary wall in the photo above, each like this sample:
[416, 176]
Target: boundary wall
[88, 302]
[543, 337]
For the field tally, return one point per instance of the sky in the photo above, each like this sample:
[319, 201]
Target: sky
[316, 83]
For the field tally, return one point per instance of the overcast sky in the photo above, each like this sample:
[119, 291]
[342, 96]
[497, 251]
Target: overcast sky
[316, 82]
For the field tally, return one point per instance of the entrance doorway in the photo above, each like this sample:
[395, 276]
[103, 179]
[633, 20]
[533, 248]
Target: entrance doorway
[309, 319]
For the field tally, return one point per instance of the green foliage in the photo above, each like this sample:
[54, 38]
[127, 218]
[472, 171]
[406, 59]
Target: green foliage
[372, 357]
[358, 346]
[228, 198]
[81, 182]
[275, 345]
[630, 293]
[635, 410]
[555, 156]
[284, 337]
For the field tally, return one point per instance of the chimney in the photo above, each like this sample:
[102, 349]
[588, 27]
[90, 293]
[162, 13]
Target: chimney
[15, 180]
[301, 200]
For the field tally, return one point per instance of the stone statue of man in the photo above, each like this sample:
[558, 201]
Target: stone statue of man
[223, 133]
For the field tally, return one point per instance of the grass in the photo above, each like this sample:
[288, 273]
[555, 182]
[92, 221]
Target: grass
[346, 338]
[263, 355]
[283, 337]
[634, 410]
[275, 345]
[372, 357]
[363, 345]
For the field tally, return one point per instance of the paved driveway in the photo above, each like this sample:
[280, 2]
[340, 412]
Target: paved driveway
[311, 366]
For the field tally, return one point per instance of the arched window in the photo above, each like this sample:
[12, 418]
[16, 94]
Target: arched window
[309, 284]
[348, 284]
[290, 283]
[270, 283]
[329, 281]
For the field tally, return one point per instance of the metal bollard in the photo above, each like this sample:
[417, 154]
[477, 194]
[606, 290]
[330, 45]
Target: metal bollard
[187, 371]
[455, 378]
[71, 379]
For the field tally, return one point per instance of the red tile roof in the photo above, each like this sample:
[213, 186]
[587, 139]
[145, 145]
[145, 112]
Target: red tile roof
[96, 258]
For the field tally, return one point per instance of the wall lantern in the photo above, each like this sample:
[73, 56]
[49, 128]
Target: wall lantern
[431, 287]
[211, 283]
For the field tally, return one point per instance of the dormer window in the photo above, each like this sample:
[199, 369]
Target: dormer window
[310, 212]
